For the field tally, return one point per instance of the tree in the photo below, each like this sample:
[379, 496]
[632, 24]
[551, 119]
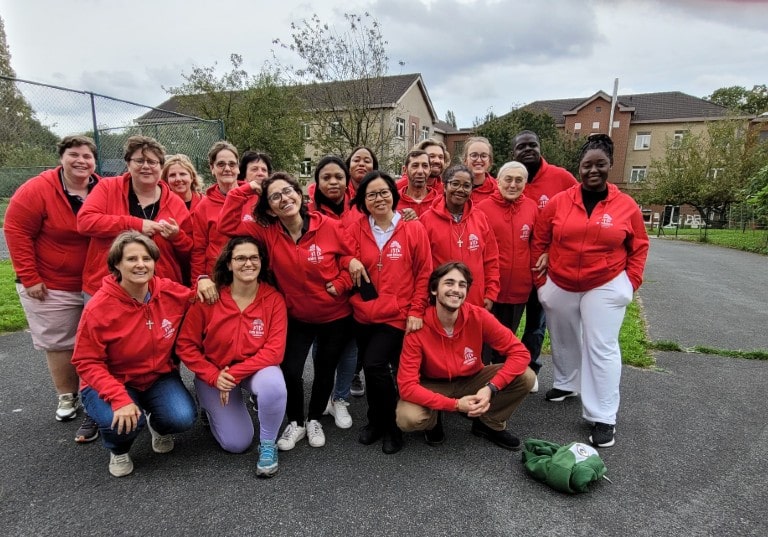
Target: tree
[757, 193]
[259, 112]
[24, 141]
[342, 78]
[740, 99]
[556, 147]
[708, 170]
[450, 118]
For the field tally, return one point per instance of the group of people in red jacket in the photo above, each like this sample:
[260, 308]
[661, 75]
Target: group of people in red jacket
[421, 284]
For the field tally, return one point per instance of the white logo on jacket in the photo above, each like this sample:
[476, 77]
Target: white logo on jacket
[543, 200]
[525, 232]
[168, 328]
[469, 356]
[257, 329]
[474, 242]
[606, 221]
[315, 254]
[395, 251]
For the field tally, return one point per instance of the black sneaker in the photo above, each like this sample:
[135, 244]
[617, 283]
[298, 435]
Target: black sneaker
[602, 435]
[500, 438]
[87, 432]
[435, 436]
[556, 396]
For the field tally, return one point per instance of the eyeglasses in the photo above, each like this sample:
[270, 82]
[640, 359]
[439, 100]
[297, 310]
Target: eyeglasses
[277, 196]
[142, 161]
[458, 185]
[221, 164]
[242, 259]
[479, 156]
[385, 195]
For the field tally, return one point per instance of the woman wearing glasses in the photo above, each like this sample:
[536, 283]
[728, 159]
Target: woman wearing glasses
[239, 342]
[307, 250]
[394, 256]
[478, 157]
[140, 201]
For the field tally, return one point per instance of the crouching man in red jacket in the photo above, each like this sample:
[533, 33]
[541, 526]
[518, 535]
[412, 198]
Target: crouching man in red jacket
[441, 367]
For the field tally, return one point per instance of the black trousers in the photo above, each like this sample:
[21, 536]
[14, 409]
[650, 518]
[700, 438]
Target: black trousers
[379, 347]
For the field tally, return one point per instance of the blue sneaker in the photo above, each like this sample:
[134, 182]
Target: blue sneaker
[267, 465]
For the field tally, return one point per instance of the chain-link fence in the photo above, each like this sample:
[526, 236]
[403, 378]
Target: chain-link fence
[34, 117]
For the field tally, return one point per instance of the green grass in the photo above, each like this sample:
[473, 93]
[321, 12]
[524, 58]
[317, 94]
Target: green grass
[3, 207]
[699, 349]
[11, 315]
[751, 240]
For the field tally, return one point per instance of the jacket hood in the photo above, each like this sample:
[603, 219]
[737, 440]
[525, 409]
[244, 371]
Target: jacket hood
[442, 211]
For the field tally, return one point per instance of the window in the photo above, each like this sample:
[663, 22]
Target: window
[400, 127]
[598, 108]
[306, 133]
[424, 133]
[714, 173]
[638, 174]
[577, 126]
[336, 129]
[643, 140]
[678, 139]
[763, 136]
[595, 125]
[306, 168]
[413, 134]
[616, 124]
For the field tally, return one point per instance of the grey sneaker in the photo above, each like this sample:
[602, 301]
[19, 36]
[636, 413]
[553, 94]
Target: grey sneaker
[603, 435]
[120, 465]
[67, 408]
[87, 432]
[161, 443]
[357, 388]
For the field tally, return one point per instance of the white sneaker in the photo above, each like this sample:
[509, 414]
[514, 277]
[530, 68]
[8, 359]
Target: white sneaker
[292, 433]
[120, 465]
[160, 443]
[338, 409]
[67, 408]
[535, 388]
[315, 433]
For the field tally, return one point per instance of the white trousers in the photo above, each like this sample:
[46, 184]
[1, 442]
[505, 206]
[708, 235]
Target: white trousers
[584, 331]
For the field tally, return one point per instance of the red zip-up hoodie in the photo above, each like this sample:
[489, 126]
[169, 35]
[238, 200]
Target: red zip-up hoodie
[512, 225]
[431, 354]
[207, 242]
[105, 215]
[486, 190]
[348, 216]
[548, 181]
[301, 269]
[587, 252]
[399, 273]
[41, 231]
[478, 249]
[121, 342]
[421, 206]
[214, 336]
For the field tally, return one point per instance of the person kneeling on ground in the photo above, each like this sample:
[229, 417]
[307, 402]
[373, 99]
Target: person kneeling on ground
[441, 367]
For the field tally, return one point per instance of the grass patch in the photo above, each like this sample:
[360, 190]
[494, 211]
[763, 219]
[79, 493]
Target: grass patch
[11, 315]
[663, 345]
[3, 207]
[750, 240]
[748, 355]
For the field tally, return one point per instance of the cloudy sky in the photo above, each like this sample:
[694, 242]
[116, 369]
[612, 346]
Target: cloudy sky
[474, 55]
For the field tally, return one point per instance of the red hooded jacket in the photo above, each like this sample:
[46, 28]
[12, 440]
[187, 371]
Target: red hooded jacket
[512, 225]
[399, 273]
[478, 249]
[105, 215]
[121, 342]
[214, 336]
[486, 190]
[587, 252]
[41, 231]
[431, 354]
[547, 182]
[302, 269]
[421, 206]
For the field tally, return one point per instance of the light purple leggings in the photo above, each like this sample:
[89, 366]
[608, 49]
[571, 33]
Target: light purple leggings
[231, 425]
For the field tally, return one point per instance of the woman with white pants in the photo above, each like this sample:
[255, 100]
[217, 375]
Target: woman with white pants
[590, 242]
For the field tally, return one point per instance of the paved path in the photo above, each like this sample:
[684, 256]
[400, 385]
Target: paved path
[690, 459]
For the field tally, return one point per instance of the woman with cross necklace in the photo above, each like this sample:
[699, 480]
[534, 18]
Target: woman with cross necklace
[459, 232]
[140, 201]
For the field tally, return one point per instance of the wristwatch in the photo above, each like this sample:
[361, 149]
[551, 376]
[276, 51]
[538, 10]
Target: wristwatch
[494, 390]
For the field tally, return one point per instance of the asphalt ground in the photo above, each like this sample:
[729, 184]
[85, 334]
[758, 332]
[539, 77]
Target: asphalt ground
[690, 457]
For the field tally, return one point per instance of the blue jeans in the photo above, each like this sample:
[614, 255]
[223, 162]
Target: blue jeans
[535, 327]
[172, 408]
[345, 371]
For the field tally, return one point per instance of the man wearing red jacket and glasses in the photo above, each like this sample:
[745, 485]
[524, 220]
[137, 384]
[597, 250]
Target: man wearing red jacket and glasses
[441, 367]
